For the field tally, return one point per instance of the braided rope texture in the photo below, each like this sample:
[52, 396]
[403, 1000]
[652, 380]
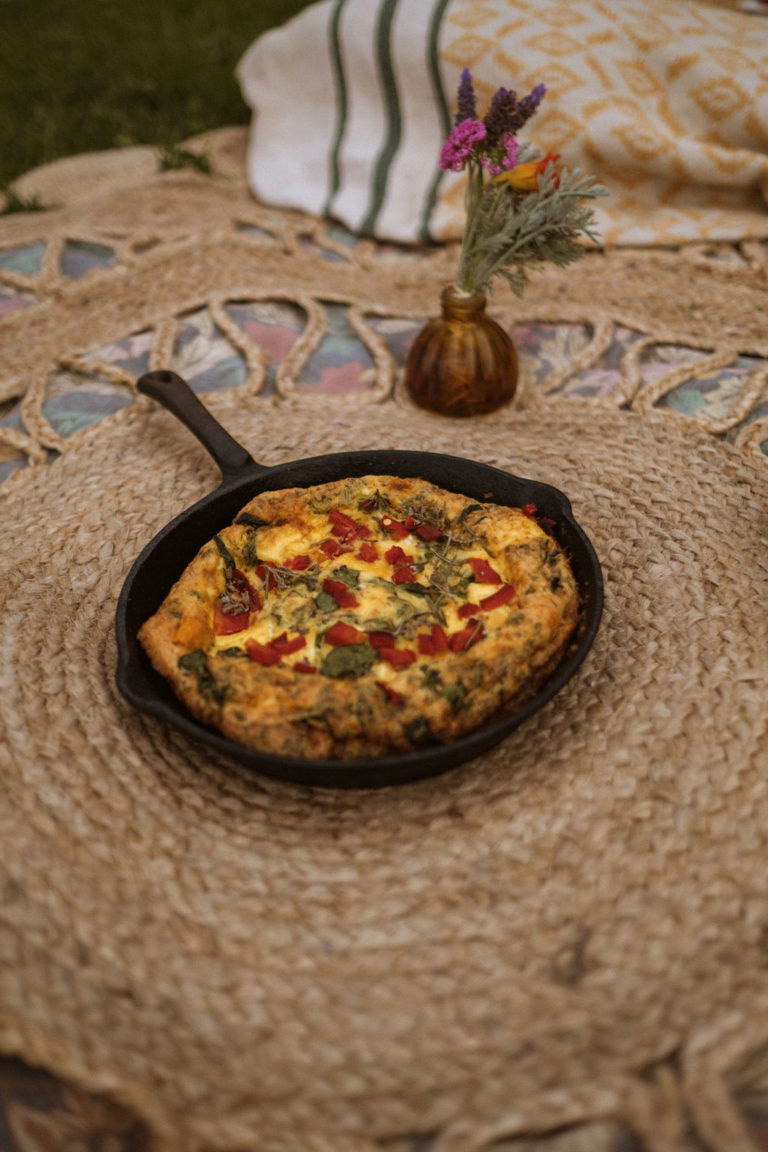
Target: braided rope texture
[570, 928]
[183, 241]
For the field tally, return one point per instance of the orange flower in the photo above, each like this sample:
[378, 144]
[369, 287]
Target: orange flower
[525, 177]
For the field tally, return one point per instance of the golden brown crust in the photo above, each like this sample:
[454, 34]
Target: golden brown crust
[363, 617]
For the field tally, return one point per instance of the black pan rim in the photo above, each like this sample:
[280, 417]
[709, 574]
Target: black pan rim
[358, 772]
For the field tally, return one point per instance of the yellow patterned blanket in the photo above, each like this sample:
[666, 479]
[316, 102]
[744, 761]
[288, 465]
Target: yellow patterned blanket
[666, 104]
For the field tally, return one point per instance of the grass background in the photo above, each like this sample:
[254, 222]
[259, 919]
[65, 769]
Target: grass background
[83, 75]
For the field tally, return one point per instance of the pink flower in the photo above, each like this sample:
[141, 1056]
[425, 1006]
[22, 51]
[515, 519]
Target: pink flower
[458, 147]
[509, 158]
[511, 150]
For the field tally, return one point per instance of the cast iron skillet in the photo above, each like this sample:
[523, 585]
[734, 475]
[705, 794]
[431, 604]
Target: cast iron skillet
[163, 559]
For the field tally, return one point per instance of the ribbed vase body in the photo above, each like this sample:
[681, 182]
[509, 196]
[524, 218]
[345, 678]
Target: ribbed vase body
[462, 363]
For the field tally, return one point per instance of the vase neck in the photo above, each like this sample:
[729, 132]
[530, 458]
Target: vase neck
[458, 305]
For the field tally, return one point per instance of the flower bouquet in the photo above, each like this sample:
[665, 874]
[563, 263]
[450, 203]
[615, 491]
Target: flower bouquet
[521, 212]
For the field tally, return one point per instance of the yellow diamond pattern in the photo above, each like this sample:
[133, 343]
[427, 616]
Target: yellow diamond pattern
[663, 101]
[720, 98]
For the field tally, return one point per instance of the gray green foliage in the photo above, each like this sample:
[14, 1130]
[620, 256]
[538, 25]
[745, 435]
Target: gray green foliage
[510, 234]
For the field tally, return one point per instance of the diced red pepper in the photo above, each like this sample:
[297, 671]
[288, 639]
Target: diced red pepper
[243, 584]
[396, 555]
[403, 575]
[397, 530]
[488, 603]
[306, 669]
[367, 552]
[543, 521]
[381, 639]
[332, 549]
[466, 610]
[341, 593]
[460, 641]
[390, 693]
[341, 634]
[409, 523]
[285, 646]
[426, 644]
[439, 639]
[483, 572]
[263, 653]
[226, 624]
[369, 504]
[497, 599]
[344, 526]
[274, 650]
[299, 563]
[429, 532]
[397, 657]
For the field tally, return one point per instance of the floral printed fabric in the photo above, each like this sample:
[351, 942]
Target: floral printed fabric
[341, 365]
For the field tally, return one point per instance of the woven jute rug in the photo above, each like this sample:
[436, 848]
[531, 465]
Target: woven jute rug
[571, 928]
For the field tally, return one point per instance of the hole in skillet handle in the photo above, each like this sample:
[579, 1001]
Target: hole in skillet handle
[163, 559]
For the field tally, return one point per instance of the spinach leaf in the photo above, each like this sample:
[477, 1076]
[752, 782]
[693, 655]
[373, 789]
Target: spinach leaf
[348, 576]
[224, 552]
[325, 602]
[196, 663]
[432, 679]
[419, 732]
[250, 521]
[349, 660]
[455, 694]
[414, 589]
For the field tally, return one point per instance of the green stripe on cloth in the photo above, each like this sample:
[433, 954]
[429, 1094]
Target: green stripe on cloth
[334, 175]
[433, 66]
[394, 121]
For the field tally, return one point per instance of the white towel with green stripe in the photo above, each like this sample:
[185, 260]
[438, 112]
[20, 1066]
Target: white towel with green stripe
[665, 104]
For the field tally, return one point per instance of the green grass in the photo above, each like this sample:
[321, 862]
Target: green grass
[83, 75]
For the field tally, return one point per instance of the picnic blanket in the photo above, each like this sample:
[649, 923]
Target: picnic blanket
[665, 104]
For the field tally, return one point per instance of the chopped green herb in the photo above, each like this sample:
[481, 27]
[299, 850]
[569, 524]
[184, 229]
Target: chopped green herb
[349, 660]
[250, 553]
[250, 521]
[347, 575]
[470, 508]
[224, 552]
[414, 589]
[455, 694]
[432, 679]
[197, 663]
[419, 732]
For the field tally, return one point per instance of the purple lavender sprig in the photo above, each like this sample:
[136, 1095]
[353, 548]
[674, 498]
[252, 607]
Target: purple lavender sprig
[466, 107]
[506, 114]
[490, 142]
[520, 211]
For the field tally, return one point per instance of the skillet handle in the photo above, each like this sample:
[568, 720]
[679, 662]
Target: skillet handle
[174, 394]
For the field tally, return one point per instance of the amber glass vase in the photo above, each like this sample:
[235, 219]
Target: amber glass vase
[462, 363]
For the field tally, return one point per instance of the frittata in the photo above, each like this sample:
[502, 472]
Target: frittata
[364, 617]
